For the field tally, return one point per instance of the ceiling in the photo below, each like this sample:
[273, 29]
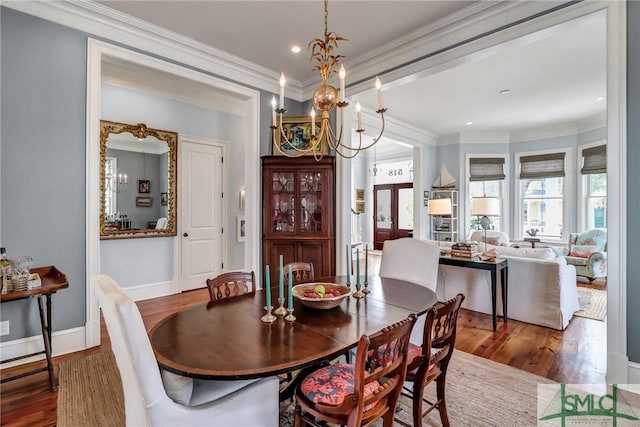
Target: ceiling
[554, 77]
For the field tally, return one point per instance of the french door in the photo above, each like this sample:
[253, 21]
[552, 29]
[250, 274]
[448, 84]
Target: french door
[393, 207]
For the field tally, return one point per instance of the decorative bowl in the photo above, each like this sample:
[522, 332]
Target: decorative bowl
[323, 303]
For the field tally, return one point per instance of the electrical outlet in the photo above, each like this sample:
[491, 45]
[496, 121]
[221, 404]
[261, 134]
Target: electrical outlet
[4, 328]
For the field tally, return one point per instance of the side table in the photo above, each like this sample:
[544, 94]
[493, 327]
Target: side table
[499, 265]
[52, 281]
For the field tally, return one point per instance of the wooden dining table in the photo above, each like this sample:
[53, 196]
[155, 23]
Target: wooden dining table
[226, 340]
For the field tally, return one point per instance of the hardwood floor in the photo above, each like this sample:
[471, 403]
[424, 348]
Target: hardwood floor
[575, 355]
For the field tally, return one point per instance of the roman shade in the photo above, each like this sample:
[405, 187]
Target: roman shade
[594, 160]
[486, 168]
[542, 166]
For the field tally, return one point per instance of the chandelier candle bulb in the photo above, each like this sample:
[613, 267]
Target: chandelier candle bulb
[342, 74]
[273, 111]
[283, 81]
[281, 289]
[379, 91]
[359, 111]
[268, 288]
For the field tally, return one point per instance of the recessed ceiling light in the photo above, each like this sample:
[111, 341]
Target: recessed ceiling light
[469, 123]
[504, 92]
[600, 98]
[295, 49]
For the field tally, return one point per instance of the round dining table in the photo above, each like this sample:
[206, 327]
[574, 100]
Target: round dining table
[226, 340]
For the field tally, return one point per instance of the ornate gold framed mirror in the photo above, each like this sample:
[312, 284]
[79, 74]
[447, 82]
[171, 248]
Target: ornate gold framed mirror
[138, 181]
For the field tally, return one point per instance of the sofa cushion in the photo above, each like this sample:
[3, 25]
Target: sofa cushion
[582, 251]
[560, 251]
[538, 253]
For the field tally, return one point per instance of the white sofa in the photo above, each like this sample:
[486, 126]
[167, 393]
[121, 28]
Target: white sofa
[541, 287]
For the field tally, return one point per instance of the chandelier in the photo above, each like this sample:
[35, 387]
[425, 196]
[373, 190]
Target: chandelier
[325, 98]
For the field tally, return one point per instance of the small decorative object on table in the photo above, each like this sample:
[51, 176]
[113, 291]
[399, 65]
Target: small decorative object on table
[366, 289]
[321, 296]
[532, 232]
[268, 318]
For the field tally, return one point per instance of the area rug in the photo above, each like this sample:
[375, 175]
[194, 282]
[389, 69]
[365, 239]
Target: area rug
[479, 393]
[593, 303]
[90, 392]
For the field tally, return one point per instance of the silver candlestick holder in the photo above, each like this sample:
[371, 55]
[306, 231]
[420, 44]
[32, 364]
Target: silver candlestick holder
[290, 317]
[358, 293]
[280, 311]
[366, 289]
[268, 318]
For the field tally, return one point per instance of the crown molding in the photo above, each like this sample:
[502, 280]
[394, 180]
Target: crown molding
[104, 22]
[484, 137]
[441, 47]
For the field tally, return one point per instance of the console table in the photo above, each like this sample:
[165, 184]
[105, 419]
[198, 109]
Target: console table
[52, 281]
[499, 265]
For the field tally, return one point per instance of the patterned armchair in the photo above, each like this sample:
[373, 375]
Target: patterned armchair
[588, 253]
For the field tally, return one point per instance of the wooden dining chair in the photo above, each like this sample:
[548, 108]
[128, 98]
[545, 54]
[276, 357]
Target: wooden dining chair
[357, 395]
[302, 272]
[231, 284]
[429, 362]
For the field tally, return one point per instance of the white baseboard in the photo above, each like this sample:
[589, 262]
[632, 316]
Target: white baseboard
[64, 342]
[148, 291]
[634, 373]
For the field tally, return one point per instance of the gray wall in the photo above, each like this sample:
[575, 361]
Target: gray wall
[42, 160]
[633, 181]
[42, 175]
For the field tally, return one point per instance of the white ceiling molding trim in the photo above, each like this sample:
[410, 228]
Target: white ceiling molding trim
[550, 131]
[484, 138]
[101, 21]
[402, 66]
[395, 129]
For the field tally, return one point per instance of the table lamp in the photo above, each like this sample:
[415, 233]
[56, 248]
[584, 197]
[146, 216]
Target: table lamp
[484, 207]
[437, 208]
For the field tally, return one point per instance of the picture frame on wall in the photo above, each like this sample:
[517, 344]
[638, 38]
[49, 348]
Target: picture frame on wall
[241, 228]
[297, 130]
[144, 202]
[164, 199]
[144, 186]
[426, 194]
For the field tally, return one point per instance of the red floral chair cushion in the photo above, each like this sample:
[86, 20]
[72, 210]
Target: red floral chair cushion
[331, 384]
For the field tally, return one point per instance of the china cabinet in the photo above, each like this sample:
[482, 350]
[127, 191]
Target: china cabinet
[298, 212]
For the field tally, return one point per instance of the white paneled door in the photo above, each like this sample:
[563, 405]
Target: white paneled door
[201, 176]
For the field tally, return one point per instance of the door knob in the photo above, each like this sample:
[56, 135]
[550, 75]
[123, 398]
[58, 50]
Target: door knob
[185, 235]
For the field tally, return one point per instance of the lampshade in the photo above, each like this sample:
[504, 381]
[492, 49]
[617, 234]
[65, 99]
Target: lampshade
[485, 206]
[439, 207]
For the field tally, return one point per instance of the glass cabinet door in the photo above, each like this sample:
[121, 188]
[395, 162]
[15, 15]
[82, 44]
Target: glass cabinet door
[283, 201]
[312, 184]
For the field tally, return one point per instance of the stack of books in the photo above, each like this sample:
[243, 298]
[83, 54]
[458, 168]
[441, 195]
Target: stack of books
[464, 250]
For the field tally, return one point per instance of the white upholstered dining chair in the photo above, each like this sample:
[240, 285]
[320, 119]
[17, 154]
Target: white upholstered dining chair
[415, 261]
[193, 402]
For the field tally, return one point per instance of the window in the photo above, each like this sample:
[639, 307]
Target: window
[594, 179]
[596, 186]
[486, 179]
[542, 194]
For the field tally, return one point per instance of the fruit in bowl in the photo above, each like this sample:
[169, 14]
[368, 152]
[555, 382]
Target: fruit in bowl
[321, 295]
